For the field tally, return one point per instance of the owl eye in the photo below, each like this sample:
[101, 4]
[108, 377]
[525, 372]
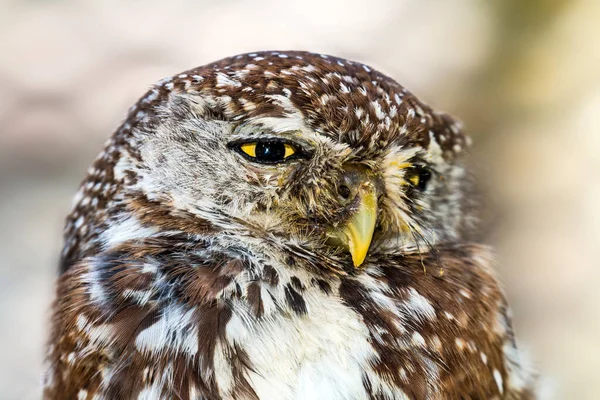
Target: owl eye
[418, 176]
[267, 151]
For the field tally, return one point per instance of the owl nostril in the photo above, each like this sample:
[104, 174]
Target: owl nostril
[344, 191]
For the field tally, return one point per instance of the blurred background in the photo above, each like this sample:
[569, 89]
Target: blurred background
[522, 75]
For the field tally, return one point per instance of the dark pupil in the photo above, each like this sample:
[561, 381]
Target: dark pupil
[424, 176]
[270, 151]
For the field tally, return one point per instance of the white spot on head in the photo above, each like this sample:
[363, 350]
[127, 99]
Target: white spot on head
[472, 346]
[224, 80]
[449, 316]
[78, 222]
[164, 80]
[455, 128]
[393, 111]
[153, 95]
[378, 111]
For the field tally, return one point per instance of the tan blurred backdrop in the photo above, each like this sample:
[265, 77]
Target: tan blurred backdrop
[523, 76]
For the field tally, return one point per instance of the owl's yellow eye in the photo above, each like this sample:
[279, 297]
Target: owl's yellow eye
[418, 177]
[267, 151]
[249, 149]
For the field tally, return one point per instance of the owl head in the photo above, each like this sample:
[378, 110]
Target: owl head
[275, 154]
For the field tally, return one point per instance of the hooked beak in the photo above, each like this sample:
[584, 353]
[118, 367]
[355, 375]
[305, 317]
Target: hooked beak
[359, 229]
[356, 232]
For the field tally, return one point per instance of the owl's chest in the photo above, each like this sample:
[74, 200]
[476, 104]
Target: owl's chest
[319, 352]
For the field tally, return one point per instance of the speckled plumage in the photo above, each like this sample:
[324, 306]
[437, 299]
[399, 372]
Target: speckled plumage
[191, 272]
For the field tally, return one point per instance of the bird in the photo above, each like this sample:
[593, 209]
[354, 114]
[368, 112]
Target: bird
[281, 225]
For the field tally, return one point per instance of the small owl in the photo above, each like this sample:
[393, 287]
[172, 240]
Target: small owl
[280, 225]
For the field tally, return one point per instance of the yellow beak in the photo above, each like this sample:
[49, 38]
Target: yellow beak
[357, 232]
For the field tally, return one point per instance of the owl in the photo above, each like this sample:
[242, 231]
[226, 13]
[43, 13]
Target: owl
[280, 225]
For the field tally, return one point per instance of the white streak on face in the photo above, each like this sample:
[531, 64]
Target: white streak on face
[291, 123]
